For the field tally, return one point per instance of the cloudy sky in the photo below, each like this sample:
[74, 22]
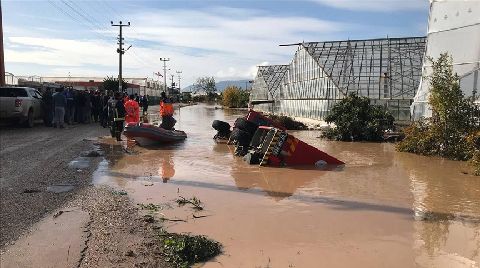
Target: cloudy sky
[226, 39]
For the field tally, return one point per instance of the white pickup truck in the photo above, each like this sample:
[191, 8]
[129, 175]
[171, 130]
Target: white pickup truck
[23, 104]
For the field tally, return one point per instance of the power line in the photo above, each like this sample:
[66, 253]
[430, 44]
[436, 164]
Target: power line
[93, 20]
[94, 28]
[74, 18]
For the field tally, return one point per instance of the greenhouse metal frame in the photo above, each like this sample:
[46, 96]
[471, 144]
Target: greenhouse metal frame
[387, 71]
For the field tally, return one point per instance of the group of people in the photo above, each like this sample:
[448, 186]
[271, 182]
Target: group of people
[72, 106]
[126, 109]
[109, 109]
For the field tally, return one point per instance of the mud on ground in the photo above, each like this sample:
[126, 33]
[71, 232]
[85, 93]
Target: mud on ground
[118, 236]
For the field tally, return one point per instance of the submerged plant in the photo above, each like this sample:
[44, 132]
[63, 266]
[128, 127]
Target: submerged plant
[453, 130]
[184, 250]
[356, 119]
[195, 202]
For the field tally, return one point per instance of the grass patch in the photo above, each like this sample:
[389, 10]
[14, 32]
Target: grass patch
[185, 250]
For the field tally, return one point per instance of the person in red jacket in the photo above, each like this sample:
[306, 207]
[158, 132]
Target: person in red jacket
[166, 112]
[133, 111]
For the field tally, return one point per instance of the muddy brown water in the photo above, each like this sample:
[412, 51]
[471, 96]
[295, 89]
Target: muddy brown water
[383, 209]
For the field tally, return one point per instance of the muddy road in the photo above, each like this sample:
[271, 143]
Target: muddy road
[383, 209]
[35, 175]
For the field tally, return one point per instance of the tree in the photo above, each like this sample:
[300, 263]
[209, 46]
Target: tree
[207, 85]
[235, 97]
[358, 120]
[111, 83]
[453, 131]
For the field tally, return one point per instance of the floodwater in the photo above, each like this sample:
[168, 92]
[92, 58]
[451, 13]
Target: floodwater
[383, 209]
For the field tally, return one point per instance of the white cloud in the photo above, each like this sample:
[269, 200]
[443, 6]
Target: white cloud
[376, 5]
[200, 43]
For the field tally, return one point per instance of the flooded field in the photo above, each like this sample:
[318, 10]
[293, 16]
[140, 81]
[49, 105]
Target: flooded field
[383, 209]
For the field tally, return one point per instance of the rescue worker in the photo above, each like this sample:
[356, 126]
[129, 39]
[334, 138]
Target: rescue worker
[166, 112]
[118, 116]
[133, 110]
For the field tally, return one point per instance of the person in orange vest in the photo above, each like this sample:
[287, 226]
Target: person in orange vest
[166, 112]
[133, 111]
[125, 98]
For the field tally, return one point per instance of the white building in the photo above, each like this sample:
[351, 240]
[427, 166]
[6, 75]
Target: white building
[454, 27]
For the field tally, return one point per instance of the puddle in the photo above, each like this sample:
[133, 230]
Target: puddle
[382, 209]
[53, 242]
[79, 163]
[60, 188]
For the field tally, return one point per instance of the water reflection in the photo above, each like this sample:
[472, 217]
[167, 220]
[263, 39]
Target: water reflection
[278, 183]
[446, 203]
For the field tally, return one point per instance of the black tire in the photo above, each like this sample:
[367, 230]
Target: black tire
[221, 126]
[242, 138]
[223, 134]
[30, 122]
[246, 125]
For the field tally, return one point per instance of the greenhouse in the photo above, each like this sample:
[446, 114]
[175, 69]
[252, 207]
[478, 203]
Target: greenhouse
[385, 70]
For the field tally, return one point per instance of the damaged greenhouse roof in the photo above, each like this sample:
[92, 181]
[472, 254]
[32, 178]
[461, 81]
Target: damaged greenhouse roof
[383, 68]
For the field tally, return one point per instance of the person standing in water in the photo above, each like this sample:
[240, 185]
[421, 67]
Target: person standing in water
[133, 110]
[166, 112]
[118, 116]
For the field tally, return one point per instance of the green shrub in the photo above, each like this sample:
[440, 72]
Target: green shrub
[235, 97]
[452, 131]
[358, 120]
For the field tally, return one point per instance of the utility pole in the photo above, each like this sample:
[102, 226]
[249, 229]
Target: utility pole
[179, 78]
[2, 59]
[158, 74]
[165, 72]
[171, 78]
[120, 51]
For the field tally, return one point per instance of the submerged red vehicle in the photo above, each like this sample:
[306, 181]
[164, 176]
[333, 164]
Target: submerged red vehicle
[262, 141]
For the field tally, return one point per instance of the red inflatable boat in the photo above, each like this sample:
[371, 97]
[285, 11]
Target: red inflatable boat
[148, 134]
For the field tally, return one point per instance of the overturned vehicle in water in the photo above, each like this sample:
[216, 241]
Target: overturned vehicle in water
[260, 140]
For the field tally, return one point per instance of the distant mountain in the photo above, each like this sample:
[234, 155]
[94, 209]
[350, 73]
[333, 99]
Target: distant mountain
[221, 85]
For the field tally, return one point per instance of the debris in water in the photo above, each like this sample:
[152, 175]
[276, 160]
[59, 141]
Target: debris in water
[195, 202]
[200, 216]
[120, 192]
[31, 191]
[148, 219]
[58, 214]
[163, 218]
[184, 250]
[154, 207]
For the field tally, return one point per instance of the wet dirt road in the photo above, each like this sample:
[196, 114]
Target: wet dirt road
[35, 176]
[383, 209]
